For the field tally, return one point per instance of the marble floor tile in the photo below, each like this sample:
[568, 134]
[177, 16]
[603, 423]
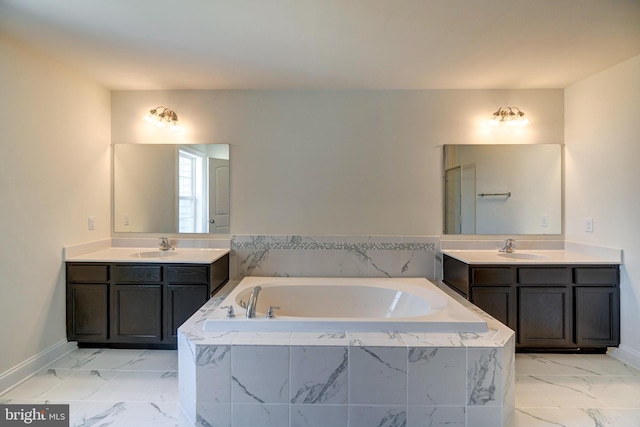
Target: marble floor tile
[632, 415]
[541, 417]
[155, 360]
[564, 391]
[124, 388]
[611, 366]
[82, 385]
[614, 391]
[128, 414]
[164, 388]
[573, 364]
[529, 397]
[600, 417]
[39, 384]
[112, 359]
[132, 386]
[77, 359]
[537, 364]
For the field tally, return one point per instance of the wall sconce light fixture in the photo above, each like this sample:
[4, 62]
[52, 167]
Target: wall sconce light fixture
[509, 116]
[162, 116]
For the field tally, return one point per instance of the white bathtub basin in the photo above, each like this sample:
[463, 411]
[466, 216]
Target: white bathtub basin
[345, 304]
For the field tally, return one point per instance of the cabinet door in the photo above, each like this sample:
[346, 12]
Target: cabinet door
[545, 316]
[498, 301]
[137, 313]
[87, 311]
[597, 316]
[183, 301]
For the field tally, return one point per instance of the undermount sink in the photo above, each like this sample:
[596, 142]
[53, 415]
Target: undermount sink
[523, 255]
[154, 254]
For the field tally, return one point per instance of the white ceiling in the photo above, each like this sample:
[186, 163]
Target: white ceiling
[340, 44]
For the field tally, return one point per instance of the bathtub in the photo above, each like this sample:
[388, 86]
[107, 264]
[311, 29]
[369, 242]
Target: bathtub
[311, 304]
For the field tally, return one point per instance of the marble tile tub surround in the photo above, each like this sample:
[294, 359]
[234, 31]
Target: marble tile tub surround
[346, 379]
[333, 256]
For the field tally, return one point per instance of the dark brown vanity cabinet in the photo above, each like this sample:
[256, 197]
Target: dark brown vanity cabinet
[549, 306]
[597, 306]
[137, 305]
[88, 302]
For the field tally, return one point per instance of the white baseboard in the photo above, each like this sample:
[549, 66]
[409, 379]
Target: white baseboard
[626, 355]
[24, 370]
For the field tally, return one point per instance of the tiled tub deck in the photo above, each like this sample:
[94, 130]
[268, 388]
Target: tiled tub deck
[346, 378]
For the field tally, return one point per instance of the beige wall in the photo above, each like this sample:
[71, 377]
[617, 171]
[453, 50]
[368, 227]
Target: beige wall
[337, 162]
[602, 174]
[54, 174]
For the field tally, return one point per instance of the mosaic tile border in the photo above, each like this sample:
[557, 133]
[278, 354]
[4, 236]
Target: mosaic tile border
[296, 244]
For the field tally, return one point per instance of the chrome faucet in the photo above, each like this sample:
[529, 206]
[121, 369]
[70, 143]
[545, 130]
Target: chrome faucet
[253, 302]
[509, 246]
[165, 245]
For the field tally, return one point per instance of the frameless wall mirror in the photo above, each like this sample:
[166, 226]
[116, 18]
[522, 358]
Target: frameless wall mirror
[503, 189]
[167, 188]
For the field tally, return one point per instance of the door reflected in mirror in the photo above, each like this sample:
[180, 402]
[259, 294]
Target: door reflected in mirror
[167, 188]
[502, 189]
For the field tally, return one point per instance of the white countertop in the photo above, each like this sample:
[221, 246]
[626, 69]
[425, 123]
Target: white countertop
[530, 257]
[150, 255]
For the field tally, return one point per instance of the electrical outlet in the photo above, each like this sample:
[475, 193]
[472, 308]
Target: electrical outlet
[126, 219]
[545, 221]
[92, 223]
[588, 225]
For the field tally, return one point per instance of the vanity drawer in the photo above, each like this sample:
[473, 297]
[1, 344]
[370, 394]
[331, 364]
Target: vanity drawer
[137, 273]
[545, 276]
[87, 273]
[492, 276]
[187, 274]
[597, 276]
